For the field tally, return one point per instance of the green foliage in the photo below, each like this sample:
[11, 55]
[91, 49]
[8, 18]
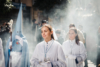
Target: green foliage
[5, 6]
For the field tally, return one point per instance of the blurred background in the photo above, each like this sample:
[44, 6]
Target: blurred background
[85, 14]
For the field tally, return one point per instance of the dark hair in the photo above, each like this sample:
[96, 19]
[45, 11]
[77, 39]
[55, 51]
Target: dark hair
[44, 21]
[76, 38]
[50, 29]
[34, 20]
[71, 25]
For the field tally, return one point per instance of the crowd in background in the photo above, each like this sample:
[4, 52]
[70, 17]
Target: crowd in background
[62, 38]
[5, 33]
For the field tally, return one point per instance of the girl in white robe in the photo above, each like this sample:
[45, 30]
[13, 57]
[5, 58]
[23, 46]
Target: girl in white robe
[2, 61]
[74, 50]
[48, 53]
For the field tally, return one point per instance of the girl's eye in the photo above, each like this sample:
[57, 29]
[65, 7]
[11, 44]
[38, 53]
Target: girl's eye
[45, 31]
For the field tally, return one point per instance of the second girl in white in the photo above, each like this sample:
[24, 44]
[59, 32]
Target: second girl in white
[74, 50]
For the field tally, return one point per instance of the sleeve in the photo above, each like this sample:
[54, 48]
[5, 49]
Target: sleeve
[67, 55]
[83, 54]
[34, 60]
[61, 59]
[81, 36]
[2, 64]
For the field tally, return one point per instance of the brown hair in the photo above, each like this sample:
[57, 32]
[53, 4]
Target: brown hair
[76, 38]
[71, 25]
[50, 29]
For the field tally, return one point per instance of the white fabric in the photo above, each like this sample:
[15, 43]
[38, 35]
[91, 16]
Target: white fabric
[11, 23]
[74, 50]
[79, 59]
[71, 56]
[54, 55]
[54, 34]
[48, 44]
[10, 44]
[2, 61]
[20, 39]
[15, 59]
[45, 64]
[72, 42]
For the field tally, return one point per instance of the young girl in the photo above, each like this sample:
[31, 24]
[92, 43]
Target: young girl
[74, 50]
[48, 53]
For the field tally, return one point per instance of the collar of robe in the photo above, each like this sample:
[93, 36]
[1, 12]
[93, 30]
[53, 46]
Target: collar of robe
[72, 41]
[49, 42]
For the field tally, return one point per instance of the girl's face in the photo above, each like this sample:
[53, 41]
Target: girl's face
[72, 34]
[46, 33]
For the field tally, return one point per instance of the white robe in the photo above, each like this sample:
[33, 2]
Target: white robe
[2, 61]
[55, 54]
[16, 54]
[77, 51]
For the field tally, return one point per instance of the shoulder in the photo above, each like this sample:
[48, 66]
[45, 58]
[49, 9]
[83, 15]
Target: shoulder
[66, 42]
[25, 42]
[57, 43]
[40, 44]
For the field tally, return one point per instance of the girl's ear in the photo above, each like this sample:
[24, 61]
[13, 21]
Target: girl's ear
[51, 32]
